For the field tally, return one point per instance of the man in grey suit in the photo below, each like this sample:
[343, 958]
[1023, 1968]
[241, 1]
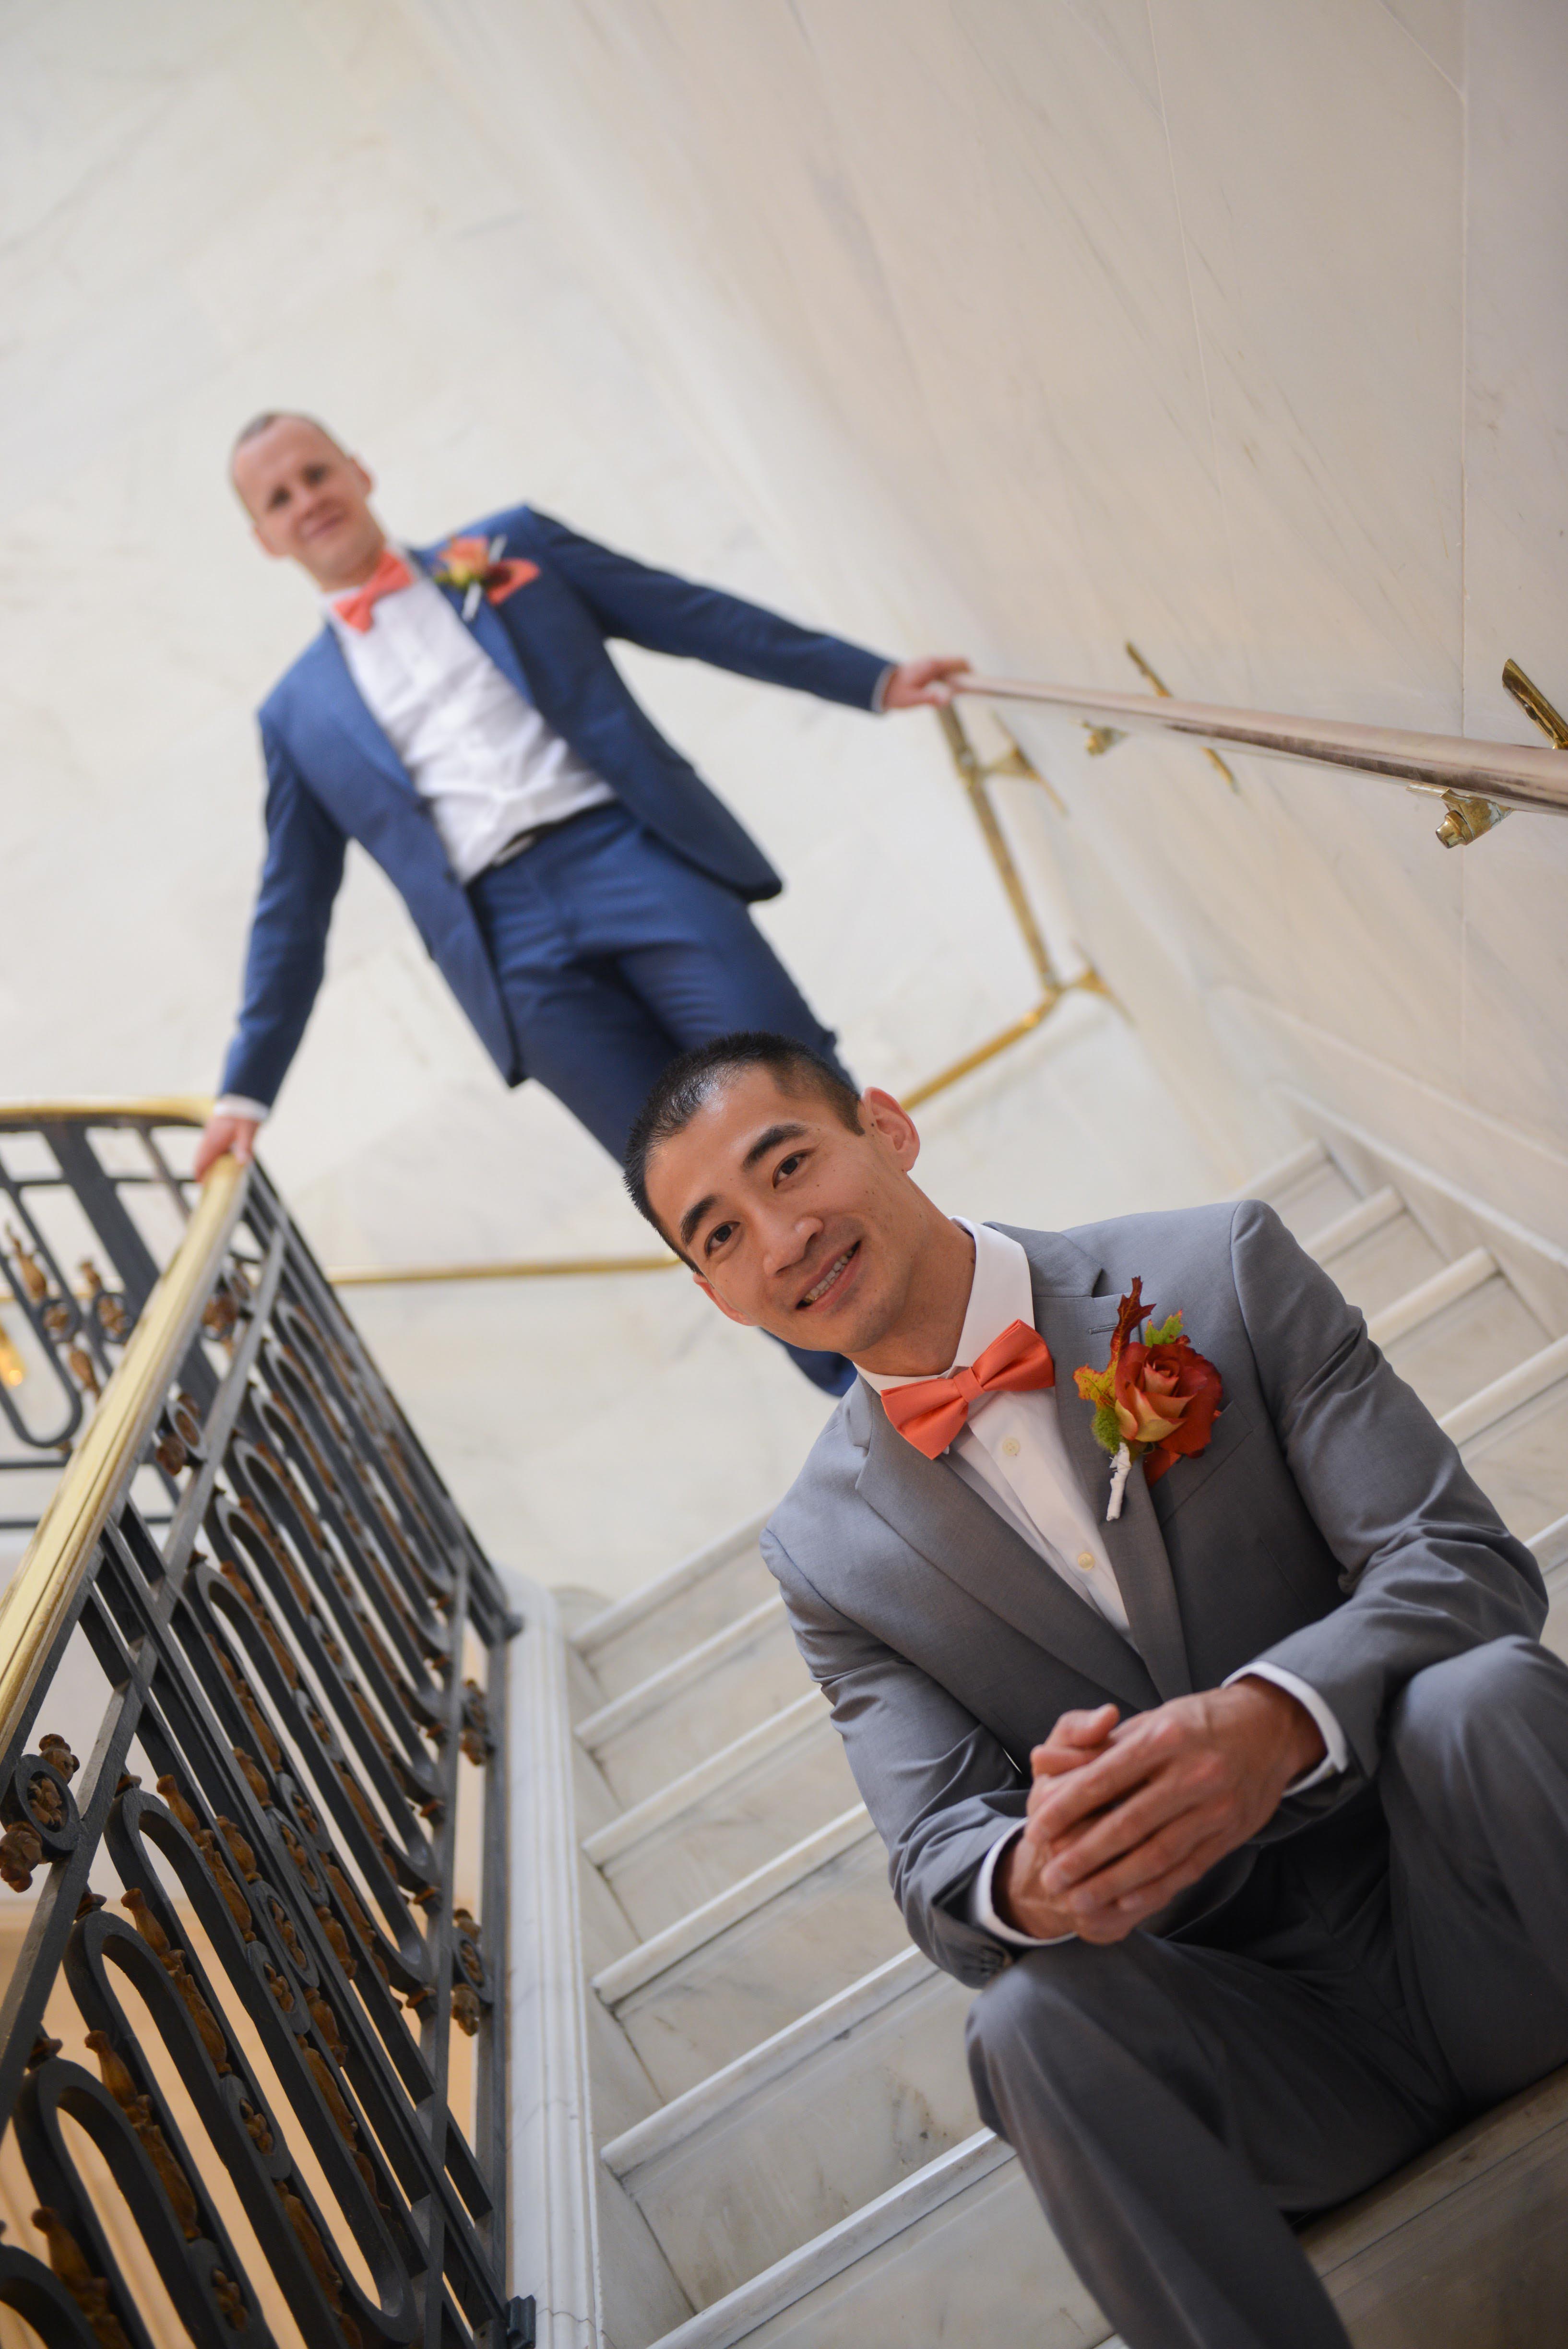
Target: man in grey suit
[1245, 1808]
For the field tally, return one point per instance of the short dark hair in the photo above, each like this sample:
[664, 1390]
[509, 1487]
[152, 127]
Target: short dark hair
[693, 1079]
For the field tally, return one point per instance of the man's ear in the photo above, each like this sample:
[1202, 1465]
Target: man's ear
[363, 475]
[727, 1311]
[892, 1124]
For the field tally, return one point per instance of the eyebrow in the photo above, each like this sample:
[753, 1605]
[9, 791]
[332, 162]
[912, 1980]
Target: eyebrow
[769, 1138]
[694, 1216]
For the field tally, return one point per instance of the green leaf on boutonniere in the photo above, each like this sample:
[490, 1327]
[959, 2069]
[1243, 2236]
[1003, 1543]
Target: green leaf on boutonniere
[1164, 1333]
[1107, 1427]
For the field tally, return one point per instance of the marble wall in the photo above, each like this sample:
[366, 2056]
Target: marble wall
[214, 205]
[1024, 327]
[1212, 326]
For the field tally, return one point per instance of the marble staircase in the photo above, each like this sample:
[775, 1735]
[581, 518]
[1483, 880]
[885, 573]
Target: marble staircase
[788, 2151]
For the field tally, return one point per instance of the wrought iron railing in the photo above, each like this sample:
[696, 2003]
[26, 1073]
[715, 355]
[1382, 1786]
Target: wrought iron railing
[252, 1789]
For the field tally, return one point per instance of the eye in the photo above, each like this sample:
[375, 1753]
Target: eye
[717, 1237]
[787, 1165]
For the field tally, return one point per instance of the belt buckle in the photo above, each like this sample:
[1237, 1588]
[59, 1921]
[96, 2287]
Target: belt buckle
[514, 847]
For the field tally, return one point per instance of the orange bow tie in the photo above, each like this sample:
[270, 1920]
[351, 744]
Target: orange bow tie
[358, 611]
[931, 1411]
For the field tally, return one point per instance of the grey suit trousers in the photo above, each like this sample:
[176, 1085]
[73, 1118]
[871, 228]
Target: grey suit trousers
[1385, 1976]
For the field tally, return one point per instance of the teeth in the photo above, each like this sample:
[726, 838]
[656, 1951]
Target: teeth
[828, 1278]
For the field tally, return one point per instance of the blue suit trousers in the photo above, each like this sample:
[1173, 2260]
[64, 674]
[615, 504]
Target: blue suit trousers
[614, 955]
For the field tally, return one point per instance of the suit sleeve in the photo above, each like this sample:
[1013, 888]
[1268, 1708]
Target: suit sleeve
[287, 951]
[1428, 1566]
[939, 1788]
[671, 614]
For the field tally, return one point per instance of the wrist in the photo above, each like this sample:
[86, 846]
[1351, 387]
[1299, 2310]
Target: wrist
[1296, 1740]
[1017, 1899]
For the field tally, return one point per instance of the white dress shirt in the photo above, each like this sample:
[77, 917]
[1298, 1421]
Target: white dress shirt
[477, 752]
[1011, 1453]
[481, 757]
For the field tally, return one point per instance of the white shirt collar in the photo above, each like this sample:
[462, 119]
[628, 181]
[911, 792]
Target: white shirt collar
[1000, 1294]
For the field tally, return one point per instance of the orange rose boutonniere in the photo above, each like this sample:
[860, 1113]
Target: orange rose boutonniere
[1156, 1399]
[475, 565]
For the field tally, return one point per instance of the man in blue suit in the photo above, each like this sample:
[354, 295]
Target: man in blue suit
[582, 891]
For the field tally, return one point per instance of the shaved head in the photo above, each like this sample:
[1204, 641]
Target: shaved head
[309, 500]
[267, 417]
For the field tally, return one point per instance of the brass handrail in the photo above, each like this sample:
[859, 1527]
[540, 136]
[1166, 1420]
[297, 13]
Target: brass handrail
[975, 775]
[156, 1109]
[1476, 774]
[541, 1267]
[39, 1595]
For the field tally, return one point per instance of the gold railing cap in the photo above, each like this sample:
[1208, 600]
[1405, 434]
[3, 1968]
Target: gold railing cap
[161, 1109]
[38, 1596]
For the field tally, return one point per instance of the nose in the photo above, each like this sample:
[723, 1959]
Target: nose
[786, 1241]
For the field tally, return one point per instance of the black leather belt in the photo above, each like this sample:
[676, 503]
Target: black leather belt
[521, 842]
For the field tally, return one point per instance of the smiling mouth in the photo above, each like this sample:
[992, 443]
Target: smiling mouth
[829, 1280]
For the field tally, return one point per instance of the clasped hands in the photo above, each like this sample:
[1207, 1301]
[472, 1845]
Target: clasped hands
[1124, 1814]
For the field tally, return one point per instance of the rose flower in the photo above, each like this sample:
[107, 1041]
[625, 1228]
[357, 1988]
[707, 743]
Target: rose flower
[1166, 1396]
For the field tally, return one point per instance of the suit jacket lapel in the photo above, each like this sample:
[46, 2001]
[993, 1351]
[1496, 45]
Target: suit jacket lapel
[346, 705]
[491, 631]
[939, 1516]
[487, 628]
[1077, 1329]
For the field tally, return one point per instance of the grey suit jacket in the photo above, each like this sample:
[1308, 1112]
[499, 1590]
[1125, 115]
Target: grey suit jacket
[1328, 1526]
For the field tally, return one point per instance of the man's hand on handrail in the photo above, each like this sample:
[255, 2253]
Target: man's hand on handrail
[225, 1131]
[922, 684]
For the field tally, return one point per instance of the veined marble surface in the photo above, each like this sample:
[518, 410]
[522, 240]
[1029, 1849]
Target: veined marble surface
[1028, 330]
[1190, 323]
[217, 205]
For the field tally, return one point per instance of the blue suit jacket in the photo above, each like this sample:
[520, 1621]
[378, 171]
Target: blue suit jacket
[333, 776]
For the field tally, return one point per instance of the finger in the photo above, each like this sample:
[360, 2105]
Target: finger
[243, 1147]
[1116, 1841]
[1074, 1731]
[1102, 1931]
[1149, 1861]
[1097, 1841]
[1160, 1890]
[1105, 1780]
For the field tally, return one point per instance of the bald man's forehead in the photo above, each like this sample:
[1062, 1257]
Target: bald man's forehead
[288, 442]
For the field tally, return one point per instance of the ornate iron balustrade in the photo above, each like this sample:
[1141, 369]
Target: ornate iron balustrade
[251, 2028]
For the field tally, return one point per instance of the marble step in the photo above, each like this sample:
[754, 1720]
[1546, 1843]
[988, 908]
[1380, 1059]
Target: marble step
[1458, 1331]
[1514, 1435]
[797, 1932]
[955, 2255]
[1306, 1189]
[641, 1634]
[1375, 1251]
[1465, 2247]
[794, 2136]
[704, 1831]
[693, 1708]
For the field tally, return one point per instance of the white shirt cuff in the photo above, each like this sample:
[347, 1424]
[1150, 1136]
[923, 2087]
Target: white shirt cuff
[240, 1106]
[1336, 1757]
[879, 694]
[983, 1910]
